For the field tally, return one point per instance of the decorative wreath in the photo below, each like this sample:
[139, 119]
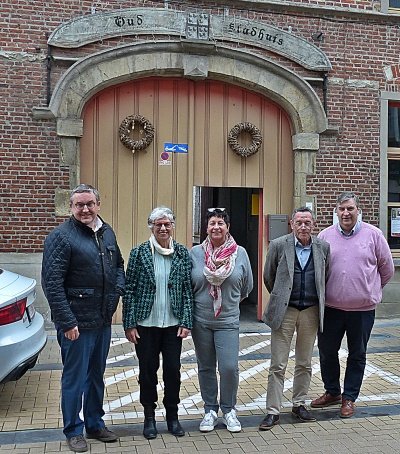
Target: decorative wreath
[128, 125]
[256, 139]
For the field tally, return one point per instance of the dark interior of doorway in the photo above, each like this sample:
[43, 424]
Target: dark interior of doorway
[239, 202]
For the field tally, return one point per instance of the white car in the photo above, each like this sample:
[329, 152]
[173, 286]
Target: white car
[22, 333]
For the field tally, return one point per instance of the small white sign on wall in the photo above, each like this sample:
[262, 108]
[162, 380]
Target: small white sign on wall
[395, 222]
[165, 159]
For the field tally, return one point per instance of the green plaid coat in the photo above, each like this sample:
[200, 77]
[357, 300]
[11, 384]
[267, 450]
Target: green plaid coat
[141, 286]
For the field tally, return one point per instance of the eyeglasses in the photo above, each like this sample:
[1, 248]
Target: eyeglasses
[167, 225]
[306, 224]
[216, 210]
[350, 209]
[80, 206]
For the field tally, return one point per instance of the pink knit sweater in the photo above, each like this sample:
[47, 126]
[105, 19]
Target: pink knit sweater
[360, 265]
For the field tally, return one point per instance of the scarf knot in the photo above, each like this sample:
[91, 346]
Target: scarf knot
[161, 250]
[219, 265]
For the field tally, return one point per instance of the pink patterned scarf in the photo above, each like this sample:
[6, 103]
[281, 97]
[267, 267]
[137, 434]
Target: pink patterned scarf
[219, 264]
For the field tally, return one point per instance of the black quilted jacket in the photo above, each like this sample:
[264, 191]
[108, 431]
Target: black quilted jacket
[82, 275]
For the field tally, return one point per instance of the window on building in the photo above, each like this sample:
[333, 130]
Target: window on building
[393, 194]
[390, 6]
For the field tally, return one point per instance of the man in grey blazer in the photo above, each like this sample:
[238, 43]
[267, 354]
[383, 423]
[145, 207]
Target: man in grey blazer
[295, 272]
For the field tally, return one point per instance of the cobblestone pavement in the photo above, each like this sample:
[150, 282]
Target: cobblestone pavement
[30, 418]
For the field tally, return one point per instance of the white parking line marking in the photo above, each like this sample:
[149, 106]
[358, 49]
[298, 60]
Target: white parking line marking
[185, 354]
[254, 348]
[113, 379]
[188, 406]
[117, 359]
[370, 369]
[134, 397]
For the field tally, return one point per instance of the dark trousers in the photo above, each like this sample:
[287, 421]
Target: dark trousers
[357, 325]
[152, 342]
[84, 361]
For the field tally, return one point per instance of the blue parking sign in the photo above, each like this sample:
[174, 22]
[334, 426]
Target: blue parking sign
[176, 147]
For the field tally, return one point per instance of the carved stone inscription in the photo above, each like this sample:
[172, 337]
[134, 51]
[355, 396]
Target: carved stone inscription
[189, 25]
[267, 36]
[135, 21]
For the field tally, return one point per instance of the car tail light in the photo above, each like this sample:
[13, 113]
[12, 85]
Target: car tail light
[13, 312]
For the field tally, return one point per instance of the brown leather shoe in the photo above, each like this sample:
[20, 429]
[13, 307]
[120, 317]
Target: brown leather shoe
[347, 410]
[326, 400]
[77, 443]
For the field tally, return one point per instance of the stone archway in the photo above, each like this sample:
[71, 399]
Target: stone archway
[193, 60]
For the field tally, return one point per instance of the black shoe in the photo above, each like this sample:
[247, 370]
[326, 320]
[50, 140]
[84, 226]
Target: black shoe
[105, 435]
[149, 428]
[303, 414]
[175, 428]
[269, 422]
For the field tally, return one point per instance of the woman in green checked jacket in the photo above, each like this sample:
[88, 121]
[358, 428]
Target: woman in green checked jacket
[157, 315]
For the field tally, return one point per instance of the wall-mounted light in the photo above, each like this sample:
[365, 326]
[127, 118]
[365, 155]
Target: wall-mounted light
[318, 36]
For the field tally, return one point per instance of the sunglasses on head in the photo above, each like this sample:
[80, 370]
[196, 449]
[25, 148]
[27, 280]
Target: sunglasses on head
[216, 210]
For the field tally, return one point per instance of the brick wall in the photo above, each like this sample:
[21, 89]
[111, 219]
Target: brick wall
[358, 47]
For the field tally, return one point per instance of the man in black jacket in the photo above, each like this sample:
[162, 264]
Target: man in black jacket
[83, 278]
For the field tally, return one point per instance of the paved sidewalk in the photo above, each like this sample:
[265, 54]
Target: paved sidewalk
[30, 418]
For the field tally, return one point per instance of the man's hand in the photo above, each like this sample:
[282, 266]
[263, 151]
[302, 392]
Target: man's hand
[132, 335]
[183, 332]
[72, 334]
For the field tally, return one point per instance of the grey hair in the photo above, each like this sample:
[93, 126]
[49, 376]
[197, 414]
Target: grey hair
[302, 209]
[345, 196]
[160, 213]
[82, 188]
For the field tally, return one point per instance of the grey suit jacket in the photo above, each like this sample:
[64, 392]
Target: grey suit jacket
[278, 277]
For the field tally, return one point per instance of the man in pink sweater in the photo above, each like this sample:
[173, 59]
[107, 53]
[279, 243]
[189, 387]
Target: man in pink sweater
[361, 265]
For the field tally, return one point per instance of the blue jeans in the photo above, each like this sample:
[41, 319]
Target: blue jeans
[357, 325]
[84, 362]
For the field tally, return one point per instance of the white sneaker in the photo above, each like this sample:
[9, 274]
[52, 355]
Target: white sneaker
[231, 421]
[209, 422]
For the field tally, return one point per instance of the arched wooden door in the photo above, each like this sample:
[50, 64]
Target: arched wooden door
[199, 114]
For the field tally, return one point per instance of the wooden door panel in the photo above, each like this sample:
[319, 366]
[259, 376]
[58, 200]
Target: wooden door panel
[199, 114]
[255, 105]
[200, 139]
[236, 110]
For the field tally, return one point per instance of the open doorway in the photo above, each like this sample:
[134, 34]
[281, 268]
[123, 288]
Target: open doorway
[242, 205]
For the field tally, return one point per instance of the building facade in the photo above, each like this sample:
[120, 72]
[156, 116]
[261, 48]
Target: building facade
[256, 106]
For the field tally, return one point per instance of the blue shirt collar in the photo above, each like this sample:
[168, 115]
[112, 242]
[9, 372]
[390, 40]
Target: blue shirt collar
[354, 230]
[299, 245]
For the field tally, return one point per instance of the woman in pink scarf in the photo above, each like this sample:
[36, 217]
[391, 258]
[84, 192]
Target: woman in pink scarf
[221, 278]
